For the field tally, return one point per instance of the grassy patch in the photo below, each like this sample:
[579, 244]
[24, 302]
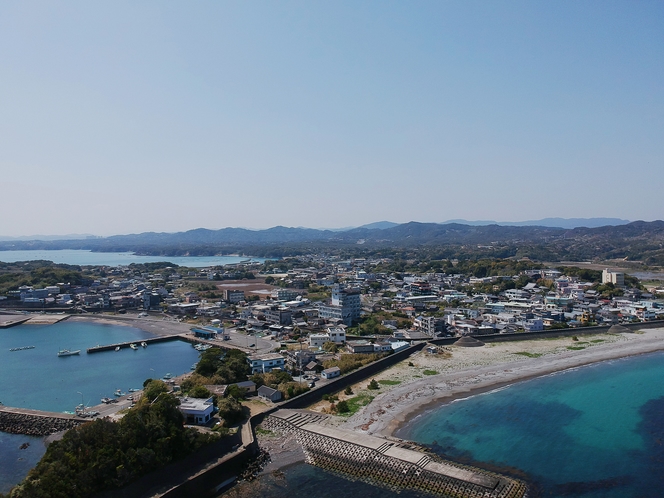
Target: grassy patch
[430, 372]
[529, 355]
[265, 432]
[389, 382]
[582, 342]
[576, 348]
[597, 340]
[359, 401]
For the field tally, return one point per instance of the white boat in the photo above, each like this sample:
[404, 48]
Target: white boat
[144, 344]
[133, 390]
[168, 376]
[66, 352]
[133, 346]
[117, 348]
[118, 392]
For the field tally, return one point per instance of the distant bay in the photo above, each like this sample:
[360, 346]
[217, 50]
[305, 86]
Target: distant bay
[88, 258]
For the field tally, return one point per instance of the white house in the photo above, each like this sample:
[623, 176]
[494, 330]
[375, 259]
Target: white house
[337, 335]
[317, 340]
[196, 410]
[331, 373]
[266, 362]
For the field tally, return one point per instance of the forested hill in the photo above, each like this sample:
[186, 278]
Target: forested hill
[637, 240]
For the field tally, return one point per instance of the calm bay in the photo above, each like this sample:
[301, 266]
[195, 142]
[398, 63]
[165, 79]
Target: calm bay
[39, 379]
[89, 258]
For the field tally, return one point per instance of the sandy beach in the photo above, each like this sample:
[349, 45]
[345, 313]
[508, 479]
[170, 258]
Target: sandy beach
[152, 325]
[459, 372]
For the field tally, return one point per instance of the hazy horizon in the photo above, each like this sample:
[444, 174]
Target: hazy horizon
[126, 118]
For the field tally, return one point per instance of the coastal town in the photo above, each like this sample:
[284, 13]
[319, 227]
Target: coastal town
[306, 296]
[305, 344]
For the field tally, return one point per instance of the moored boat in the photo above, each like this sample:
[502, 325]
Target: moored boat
[133, 346]
[144, 344]
[66, 352]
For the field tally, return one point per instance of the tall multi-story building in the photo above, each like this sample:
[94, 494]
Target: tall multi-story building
[613, 277]
[345, 305]
[234, 296]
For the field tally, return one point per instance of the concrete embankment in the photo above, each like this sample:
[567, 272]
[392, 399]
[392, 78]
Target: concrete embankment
[35, 423]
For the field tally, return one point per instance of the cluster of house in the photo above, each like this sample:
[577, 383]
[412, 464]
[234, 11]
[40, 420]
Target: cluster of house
[122, 288]
[532, 308]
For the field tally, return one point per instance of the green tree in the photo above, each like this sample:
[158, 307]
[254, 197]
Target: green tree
[342, 407]
[373, 385]
[154, 389]
[230, 410]
[200, 392]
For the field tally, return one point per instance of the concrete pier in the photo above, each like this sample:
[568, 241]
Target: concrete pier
[152, 340]
[393, 464]
[7, 321]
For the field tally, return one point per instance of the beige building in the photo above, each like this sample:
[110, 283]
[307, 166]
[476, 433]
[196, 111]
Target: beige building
[616, 278]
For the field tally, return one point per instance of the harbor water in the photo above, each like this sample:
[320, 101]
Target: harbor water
[37, 378]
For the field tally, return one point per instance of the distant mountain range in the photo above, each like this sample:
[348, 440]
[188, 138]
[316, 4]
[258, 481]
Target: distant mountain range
[568, 223]
[637, 240]
[72, 236]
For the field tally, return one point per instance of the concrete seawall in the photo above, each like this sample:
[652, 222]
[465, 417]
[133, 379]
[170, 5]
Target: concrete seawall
[35, 423]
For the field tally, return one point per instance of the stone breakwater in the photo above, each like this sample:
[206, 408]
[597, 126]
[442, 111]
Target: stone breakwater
[388, 463]
[33, 423]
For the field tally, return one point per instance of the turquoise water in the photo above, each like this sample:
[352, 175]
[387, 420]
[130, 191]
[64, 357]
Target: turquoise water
[37, 378]
[83, 258]
[593, 431]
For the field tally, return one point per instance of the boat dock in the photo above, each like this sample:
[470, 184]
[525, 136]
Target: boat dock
[152, 340]
[7, 321]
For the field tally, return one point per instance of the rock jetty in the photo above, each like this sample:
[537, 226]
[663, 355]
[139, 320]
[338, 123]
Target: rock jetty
[34, 425]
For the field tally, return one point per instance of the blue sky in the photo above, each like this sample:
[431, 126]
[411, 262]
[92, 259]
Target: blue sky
[120, 117]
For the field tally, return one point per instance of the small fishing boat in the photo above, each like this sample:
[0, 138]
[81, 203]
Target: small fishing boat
[133, 390]
[133, 346]
[117, 348]
[168, 376]
[118, 392]
[144, 344]
[66, 352]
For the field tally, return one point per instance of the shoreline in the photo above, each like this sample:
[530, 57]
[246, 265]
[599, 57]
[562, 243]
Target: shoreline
[389, 414]
[156, 327]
